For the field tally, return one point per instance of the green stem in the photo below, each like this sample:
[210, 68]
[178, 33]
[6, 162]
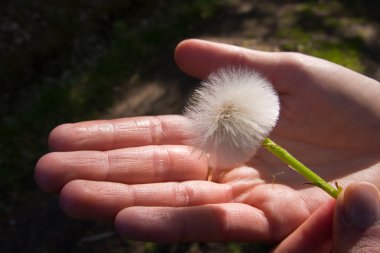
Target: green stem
[300, 168]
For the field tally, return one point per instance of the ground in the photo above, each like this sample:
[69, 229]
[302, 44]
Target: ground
[68, 61]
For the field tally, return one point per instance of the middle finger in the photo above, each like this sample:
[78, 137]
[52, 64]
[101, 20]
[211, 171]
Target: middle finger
[149, 164]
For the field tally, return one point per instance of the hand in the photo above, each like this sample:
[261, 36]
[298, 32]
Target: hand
[355, 226]
[138, 172]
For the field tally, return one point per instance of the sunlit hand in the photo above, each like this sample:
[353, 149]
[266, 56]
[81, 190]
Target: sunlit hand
[138, 172]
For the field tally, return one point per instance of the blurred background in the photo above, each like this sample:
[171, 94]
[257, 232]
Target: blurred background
[68, 61]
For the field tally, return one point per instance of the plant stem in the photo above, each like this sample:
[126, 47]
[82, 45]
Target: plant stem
[300, 168]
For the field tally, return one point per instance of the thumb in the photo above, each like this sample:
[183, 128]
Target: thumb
[357, 219]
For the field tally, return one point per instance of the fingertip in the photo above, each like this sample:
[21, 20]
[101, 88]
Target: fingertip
[182, 47]
[361, 206]
[93, 199]
[357, 218]
[80, 199]
[119, 224]
[71, 199]
[126, 223]
[58, 137]
[186, 54]
[44, 174]
[179, 50]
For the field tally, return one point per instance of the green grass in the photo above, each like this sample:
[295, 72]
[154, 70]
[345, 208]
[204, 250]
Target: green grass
[348, 53]
[340, 53]
[316, 29]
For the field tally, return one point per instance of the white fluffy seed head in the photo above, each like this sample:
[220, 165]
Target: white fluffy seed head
[231, 114]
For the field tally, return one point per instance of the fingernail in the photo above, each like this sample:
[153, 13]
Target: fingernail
[361, 205]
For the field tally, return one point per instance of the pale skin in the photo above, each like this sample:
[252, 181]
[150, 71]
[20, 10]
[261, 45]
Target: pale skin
[139, 173]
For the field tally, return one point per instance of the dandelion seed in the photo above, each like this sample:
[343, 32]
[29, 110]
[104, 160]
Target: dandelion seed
[231, 114]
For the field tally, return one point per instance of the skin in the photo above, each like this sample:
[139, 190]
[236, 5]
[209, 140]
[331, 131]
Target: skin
[353, 222]
[138, 172]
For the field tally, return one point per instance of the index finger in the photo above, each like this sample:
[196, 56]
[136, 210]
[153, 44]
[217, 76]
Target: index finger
[199, 58]
[119, 133]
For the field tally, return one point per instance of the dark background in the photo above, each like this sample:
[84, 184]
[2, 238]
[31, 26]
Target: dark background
[68, 61]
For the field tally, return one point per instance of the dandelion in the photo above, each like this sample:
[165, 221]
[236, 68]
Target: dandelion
[231, 115]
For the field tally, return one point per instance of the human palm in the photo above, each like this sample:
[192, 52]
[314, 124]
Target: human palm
[138, 171]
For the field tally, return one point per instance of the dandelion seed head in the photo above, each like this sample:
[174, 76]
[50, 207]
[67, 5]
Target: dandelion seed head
[231, 114]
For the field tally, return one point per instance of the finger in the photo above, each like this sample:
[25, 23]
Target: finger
[314, 235]
[103, 200]
[118, 133]
[148, 164]
[357, 219]
[218, 222]
[199, 58]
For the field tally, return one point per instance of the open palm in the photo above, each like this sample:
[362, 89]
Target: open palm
[138, 172]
